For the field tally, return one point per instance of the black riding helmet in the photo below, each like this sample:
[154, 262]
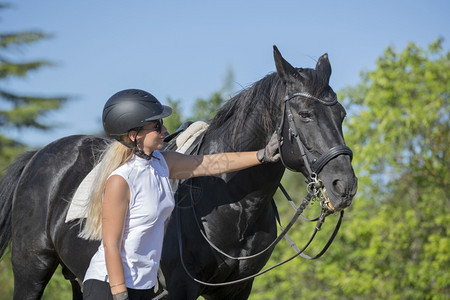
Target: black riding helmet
[129, 109]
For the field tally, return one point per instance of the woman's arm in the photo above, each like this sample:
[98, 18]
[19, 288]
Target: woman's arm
[186, 166]
[114, 210]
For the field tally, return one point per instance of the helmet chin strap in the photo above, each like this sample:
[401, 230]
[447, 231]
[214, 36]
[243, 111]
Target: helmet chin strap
[142, 154]
[136, 149]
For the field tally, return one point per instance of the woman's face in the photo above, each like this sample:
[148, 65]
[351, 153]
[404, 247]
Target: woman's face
[150, 137]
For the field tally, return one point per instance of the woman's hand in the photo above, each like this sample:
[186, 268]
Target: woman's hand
[121, 296]
[270, 153]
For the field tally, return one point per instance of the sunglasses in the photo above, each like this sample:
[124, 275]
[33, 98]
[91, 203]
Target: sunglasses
[158, 126]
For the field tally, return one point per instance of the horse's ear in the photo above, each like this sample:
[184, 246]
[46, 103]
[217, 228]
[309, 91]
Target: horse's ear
[323, 67]
[284, 69]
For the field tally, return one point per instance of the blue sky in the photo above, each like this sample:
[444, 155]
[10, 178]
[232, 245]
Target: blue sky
[183, 49]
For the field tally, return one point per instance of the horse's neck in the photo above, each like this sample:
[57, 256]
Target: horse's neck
[228, 138]
[260, 181]
[255, 185]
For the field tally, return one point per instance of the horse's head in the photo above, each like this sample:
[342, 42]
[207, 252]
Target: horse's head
[311, 131]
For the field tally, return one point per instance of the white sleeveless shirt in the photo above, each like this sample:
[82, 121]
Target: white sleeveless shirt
[151, 202]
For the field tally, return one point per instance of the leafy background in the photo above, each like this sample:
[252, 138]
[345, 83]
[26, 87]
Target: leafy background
[394, 242]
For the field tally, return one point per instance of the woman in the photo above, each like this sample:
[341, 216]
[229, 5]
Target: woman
[132, 196]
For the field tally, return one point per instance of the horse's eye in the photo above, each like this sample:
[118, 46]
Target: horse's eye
[305, 115]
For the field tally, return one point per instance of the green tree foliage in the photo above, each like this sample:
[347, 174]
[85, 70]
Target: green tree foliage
[205, 110]
[394, 242]
[174, 121]
[18, 110]
[401, 136]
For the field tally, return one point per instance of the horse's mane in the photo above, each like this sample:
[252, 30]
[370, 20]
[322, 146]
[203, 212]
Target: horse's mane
[253, 111]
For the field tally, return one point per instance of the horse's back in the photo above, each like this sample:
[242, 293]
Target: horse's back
[52, 176]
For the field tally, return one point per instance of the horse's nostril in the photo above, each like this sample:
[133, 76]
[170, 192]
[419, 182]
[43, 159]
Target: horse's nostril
[344, 189]
[337, 186]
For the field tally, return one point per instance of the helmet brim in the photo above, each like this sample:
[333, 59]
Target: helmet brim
[167, 111]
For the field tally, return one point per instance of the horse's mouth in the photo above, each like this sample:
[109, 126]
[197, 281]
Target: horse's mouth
[325, 201]
[339, 203]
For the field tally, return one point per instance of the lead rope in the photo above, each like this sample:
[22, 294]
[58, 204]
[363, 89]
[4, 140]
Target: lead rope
[313, 192]
[272, 244]
[320, 219]
[180, 248]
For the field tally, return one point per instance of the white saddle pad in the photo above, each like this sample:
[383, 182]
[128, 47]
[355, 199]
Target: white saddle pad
[187, 137]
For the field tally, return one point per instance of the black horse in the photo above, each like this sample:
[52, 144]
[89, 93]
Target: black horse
[233, 211]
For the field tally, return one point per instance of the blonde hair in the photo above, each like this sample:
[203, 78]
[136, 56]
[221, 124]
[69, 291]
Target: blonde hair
[115, 155]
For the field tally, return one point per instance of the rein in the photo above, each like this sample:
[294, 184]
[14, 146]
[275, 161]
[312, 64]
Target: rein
[315, 190]
[320, 220]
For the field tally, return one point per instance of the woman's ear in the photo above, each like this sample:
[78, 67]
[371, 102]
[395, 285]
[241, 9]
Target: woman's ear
[132, 135]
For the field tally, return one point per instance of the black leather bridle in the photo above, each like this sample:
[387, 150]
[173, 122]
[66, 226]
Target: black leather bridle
[316, 165]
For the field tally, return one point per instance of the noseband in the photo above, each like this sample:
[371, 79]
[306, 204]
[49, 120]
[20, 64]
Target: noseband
[316, 165]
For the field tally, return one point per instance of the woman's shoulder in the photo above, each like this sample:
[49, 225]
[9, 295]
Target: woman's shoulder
[124, 169]
[158, 154]
[162, 161]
